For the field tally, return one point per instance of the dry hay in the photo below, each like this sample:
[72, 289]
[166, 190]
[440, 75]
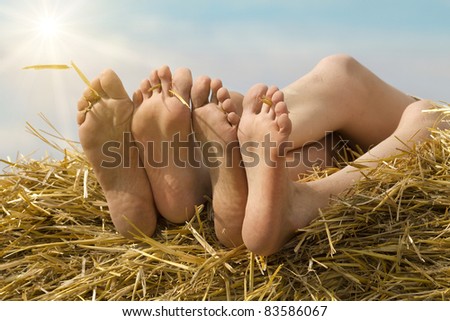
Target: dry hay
[388, 238]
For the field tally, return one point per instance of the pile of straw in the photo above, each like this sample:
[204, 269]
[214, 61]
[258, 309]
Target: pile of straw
[388, 238]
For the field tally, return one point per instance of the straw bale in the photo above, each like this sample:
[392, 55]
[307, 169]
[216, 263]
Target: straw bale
[387, 238]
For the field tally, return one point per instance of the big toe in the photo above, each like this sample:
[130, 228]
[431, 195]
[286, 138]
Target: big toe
[182, 83]
[252, 100]
[110, 84]
[200, 92]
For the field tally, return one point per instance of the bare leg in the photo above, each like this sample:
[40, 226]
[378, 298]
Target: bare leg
[339, 98]
[116, 164]
[340, 95]
[413, 128]
[215, 123]
[273, 199]
[276, 206]
[162, 128]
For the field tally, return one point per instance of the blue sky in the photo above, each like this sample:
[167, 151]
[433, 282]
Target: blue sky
[407, 43]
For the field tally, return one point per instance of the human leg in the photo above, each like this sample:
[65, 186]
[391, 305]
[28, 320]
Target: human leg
[413, 128]
[341, 95]
[338, 103]
[336, 95]
[162, 128]
[276, 206]
[102, 129]
[273, 199]
[215, 124]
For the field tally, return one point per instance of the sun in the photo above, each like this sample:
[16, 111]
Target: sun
[48, 27]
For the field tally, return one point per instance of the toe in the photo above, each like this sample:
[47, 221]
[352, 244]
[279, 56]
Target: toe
[252, 101]
[228, 106]
[97, 86]
[216, 84]
[81, 117]
[155, 82]
[233, 119]
[145, 88]
[277, 97]
[111, 85]
[138, 98]
[271, 91]
[200, 91]
[165, 75]
[89, 94]
[281, 108]
[182, 83]
[223, 94]
[283, 121]
[82, 105]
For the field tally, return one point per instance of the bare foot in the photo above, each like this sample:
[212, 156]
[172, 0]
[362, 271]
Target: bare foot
[162, 127]
[102, 130]
[276, 206]
[215, 123]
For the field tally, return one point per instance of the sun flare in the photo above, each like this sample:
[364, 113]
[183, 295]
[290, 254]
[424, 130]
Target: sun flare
[48, 27]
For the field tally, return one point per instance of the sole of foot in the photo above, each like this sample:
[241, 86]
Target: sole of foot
[276, 206]
[215, 124]
[163, 131]
[102, 128]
